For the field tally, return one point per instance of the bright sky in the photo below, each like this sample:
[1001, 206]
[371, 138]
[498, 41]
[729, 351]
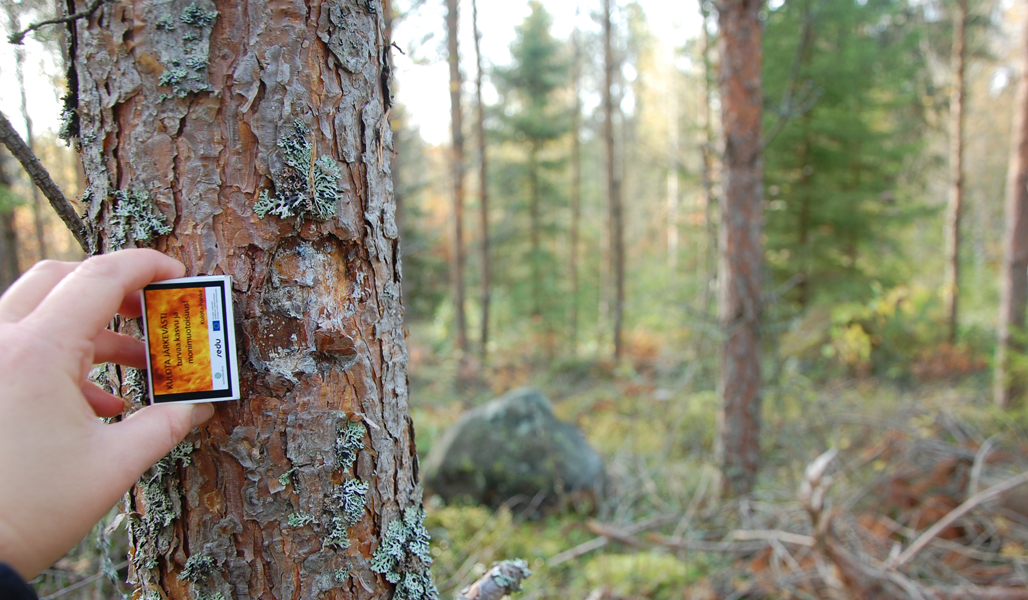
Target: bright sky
[422, 75]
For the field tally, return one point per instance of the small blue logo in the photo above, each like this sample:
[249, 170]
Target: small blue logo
[217, 375]
[217, 325]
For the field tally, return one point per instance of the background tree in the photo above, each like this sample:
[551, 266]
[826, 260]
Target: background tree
[1011, 377]
[260, 149]
[951, 283]
[483, 183]
[740, 249]
[457, 169]
[532, 120]
[9, 268]
[616, 222]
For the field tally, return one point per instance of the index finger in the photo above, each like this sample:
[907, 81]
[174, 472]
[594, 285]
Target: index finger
[82, 304]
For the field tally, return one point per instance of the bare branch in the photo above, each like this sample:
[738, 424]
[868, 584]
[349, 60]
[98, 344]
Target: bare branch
[983, 496]
[18, 37]
[43, 181]
[604, 539]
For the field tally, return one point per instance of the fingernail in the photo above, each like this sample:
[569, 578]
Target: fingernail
[200, 414]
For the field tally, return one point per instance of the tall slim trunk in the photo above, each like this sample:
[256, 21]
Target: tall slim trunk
[260, 138]
[951, 284]
[617, 242]
[19, 72]
[672, 170]
[483, 183]
[9, 269]
[708, 156]
[1011, 379]
[576, 185]
[739, 298]
[535, 229]
[457, 168]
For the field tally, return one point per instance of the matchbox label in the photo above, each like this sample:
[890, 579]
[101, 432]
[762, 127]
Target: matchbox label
[190, 339]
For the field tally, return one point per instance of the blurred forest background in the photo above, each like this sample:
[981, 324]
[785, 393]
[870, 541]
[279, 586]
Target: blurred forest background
[593, 135]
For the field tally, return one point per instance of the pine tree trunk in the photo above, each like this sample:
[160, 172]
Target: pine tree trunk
[741, 253]
[576, 187]
[483, 184]
[708, 155]
[457, 168]
[259, 134]
[535, 230]
[951, 284]
[617, 242]
[1011, 380]
[672, 172]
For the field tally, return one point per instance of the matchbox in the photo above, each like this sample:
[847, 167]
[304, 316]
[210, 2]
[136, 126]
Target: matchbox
[191, 341]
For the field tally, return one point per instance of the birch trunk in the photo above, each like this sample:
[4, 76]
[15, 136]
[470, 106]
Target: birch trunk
[201, 117]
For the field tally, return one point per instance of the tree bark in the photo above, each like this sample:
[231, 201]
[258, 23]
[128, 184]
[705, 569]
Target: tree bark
[457, 168]
[483, 184]
[617, 242]
[207, 116]
[1011, 381]
[741, 253]
[951, 282]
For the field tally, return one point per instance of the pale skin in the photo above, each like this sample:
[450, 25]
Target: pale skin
[61, 467]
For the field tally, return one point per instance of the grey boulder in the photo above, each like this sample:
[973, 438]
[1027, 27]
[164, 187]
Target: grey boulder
[513, 450]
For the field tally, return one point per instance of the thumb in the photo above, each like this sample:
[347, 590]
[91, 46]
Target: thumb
[151, 433]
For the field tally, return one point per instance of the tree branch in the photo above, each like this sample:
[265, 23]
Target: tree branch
[18, 37]
[956, 513]
[502, 579]
[43, 181]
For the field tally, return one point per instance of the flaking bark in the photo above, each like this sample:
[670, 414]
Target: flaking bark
[318, 307]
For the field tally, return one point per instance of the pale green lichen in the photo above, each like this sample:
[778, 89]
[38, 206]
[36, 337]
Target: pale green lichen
[198, 17]
[347, 508]
[133, 213]
[298, 520]
[150, 529]
[165, 23]
[305, 187]
[511, 584]
[198, 568]
[349, 441]
[286, 478]
[403, 557]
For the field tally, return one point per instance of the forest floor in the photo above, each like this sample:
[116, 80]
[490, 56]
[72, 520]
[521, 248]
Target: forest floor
[906, 457]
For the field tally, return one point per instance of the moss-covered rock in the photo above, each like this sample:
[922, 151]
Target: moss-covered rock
[514, 448]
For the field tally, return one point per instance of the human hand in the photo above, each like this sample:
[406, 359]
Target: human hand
[61, 468]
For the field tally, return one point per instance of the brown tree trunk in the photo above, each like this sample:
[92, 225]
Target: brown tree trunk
[739, 302]
[261, 137]
[457, 168]
[617, 242]
[1011, 380]
[951, 282]
[576, 186]
[483, 183]
[9, 269]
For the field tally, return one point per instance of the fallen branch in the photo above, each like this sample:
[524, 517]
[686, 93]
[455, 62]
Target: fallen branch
[770, 535]
[43, 181]
[956, 513]
[502, 579]
[604, 539]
